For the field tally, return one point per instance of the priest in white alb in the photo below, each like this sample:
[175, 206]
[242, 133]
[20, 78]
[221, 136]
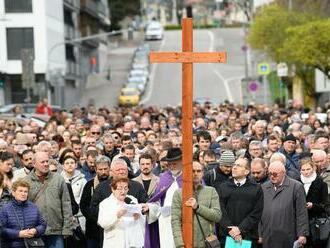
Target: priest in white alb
[158, 209]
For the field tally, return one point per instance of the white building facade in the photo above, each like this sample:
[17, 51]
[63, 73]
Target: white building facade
[30, 24]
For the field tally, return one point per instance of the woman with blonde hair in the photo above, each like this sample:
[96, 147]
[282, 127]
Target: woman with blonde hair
[316, 196]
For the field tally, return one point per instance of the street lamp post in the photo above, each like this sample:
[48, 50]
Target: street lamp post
[53, 48]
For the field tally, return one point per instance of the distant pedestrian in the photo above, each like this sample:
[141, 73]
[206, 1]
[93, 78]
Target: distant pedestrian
[92, 63]
[43, 108]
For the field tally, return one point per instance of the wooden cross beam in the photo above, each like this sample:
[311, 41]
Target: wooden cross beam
[187, 57]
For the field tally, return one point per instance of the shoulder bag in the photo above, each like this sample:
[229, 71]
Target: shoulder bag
[41, 190]
[211, 241]
[320, 228]
[30, 242]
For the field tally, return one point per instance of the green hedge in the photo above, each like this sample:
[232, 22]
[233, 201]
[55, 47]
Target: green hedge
[178, 27]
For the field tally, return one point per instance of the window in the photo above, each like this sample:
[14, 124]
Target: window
[18, 6]
[17, 39]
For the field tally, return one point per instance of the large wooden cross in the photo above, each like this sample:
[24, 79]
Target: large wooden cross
[187, 57]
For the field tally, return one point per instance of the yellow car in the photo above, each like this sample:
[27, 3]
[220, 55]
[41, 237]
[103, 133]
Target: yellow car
[129, 97]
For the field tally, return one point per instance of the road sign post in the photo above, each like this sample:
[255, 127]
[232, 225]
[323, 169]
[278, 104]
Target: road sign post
[263, 71]
[28, 77]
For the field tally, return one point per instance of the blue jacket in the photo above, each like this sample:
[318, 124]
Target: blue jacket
[29, 217]
[292, 164]
[89, 174]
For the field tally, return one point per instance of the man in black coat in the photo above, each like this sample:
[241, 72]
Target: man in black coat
[222, 173]
[92, 229]
[241, 201]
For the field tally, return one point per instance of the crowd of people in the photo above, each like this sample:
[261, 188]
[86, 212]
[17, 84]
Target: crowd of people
[99, 178]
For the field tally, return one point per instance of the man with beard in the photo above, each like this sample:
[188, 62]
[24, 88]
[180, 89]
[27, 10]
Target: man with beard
[27, 162]
[158, 209]
[147, 178]
[102, 174]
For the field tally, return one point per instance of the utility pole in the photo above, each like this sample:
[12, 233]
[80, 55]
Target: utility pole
[290, 5]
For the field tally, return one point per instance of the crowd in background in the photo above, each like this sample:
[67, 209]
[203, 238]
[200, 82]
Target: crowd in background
[261, 173]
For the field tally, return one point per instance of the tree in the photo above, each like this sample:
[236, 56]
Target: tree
[318, 7]
[268, 32]
[275, 32]
[119, 9]
[309, 45]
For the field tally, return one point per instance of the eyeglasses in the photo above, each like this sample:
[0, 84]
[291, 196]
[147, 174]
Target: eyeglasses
[94, 133]
[273, 174]
[122, 189]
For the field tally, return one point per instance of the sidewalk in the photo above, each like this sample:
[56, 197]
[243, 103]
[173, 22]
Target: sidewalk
[98, 89]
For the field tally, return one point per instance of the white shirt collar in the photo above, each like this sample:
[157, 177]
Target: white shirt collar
[241, 182]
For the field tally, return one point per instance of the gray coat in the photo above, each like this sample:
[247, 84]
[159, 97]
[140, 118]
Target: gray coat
[54, 202]
[284, 216]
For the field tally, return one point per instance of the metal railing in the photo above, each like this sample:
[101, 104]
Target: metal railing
[71, 68]
[70, 32]
[73, 3]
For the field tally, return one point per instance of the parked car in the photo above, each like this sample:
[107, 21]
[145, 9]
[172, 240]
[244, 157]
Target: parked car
[28, 108]
[154, 31]
[138, 79]
[138, 86]
[129, 97]
[140, 66]
[139, 73]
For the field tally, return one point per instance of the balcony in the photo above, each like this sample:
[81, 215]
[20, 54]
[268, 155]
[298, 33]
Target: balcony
[91, 7]
[102, 10]
[73, 4]
[72, 68]
[70, 32]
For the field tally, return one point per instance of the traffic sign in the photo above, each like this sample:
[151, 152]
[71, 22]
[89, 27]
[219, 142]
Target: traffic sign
[282, 70]
[322, 82]
[253, 86]
[263, 69]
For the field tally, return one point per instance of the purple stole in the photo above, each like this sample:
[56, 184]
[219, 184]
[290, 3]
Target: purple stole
[152, 231]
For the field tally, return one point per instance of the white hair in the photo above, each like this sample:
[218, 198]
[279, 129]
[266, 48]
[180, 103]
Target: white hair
[118, 161]
[42, 144]
[277, 156]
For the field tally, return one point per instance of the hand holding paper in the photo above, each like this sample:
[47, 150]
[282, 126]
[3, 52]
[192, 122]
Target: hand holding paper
[132, 208]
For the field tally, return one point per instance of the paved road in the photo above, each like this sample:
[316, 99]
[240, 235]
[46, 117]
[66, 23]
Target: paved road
[217, 82]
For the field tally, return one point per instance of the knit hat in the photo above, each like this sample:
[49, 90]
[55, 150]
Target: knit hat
[221, 138]
[227, 158]
[290, 137]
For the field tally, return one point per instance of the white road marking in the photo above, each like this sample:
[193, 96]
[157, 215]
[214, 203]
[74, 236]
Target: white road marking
[152, 76]
[216, 72]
